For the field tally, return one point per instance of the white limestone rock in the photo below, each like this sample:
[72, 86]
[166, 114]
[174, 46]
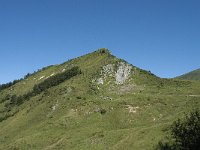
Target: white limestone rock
[107, 70]
[123, 73]
[100, 81]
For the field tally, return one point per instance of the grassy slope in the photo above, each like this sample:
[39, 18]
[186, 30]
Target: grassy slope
[69, 115]
[193, 75]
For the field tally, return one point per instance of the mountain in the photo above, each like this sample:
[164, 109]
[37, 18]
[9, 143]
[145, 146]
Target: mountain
[193, 75]
[96, 101]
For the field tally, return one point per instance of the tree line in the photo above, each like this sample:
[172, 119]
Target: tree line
[9, 84]
[46, 84]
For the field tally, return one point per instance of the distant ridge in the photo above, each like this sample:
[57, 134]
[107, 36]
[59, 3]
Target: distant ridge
[193, 75]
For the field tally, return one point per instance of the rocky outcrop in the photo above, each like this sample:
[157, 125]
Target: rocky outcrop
[120, 73]
[123, 72]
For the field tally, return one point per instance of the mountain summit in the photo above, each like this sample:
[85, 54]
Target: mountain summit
[96, 101]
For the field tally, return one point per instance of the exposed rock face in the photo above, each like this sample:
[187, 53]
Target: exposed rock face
[108, 70]
[120, 75]
[100, 81]
[123, 72]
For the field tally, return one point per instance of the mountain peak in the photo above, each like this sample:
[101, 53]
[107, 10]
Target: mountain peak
[90, 101]
[103, 51]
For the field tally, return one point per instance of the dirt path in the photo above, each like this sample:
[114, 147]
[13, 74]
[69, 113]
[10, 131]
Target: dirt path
[194, 95]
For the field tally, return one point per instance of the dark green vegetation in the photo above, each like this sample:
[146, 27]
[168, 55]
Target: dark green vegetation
[193, 75]
[55, 80]
[109, 104]
[7, 85]
[185, 134]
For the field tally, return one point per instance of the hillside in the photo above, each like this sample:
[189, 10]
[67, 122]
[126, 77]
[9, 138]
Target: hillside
[193, 75]
[96, 101]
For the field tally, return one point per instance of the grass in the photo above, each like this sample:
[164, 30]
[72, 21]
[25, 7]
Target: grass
[193, 75]
[69, 115]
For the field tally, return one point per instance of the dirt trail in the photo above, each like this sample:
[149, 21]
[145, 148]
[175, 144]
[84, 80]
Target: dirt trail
[194, 95]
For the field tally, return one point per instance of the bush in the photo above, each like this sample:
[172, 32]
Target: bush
[102, 111]
[185, 134]
[103, 50]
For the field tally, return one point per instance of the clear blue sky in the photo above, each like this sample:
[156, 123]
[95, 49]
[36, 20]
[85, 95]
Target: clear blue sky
[158, 35]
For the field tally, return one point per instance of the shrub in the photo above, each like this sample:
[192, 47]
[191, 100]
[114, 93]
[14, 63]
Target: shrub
[78, 97]
[103, 50]
[185, 134]
[102, 111]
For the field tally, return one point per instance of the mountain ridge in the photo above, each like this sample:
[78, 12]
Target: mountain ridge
[111, 104]
[192, 75]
